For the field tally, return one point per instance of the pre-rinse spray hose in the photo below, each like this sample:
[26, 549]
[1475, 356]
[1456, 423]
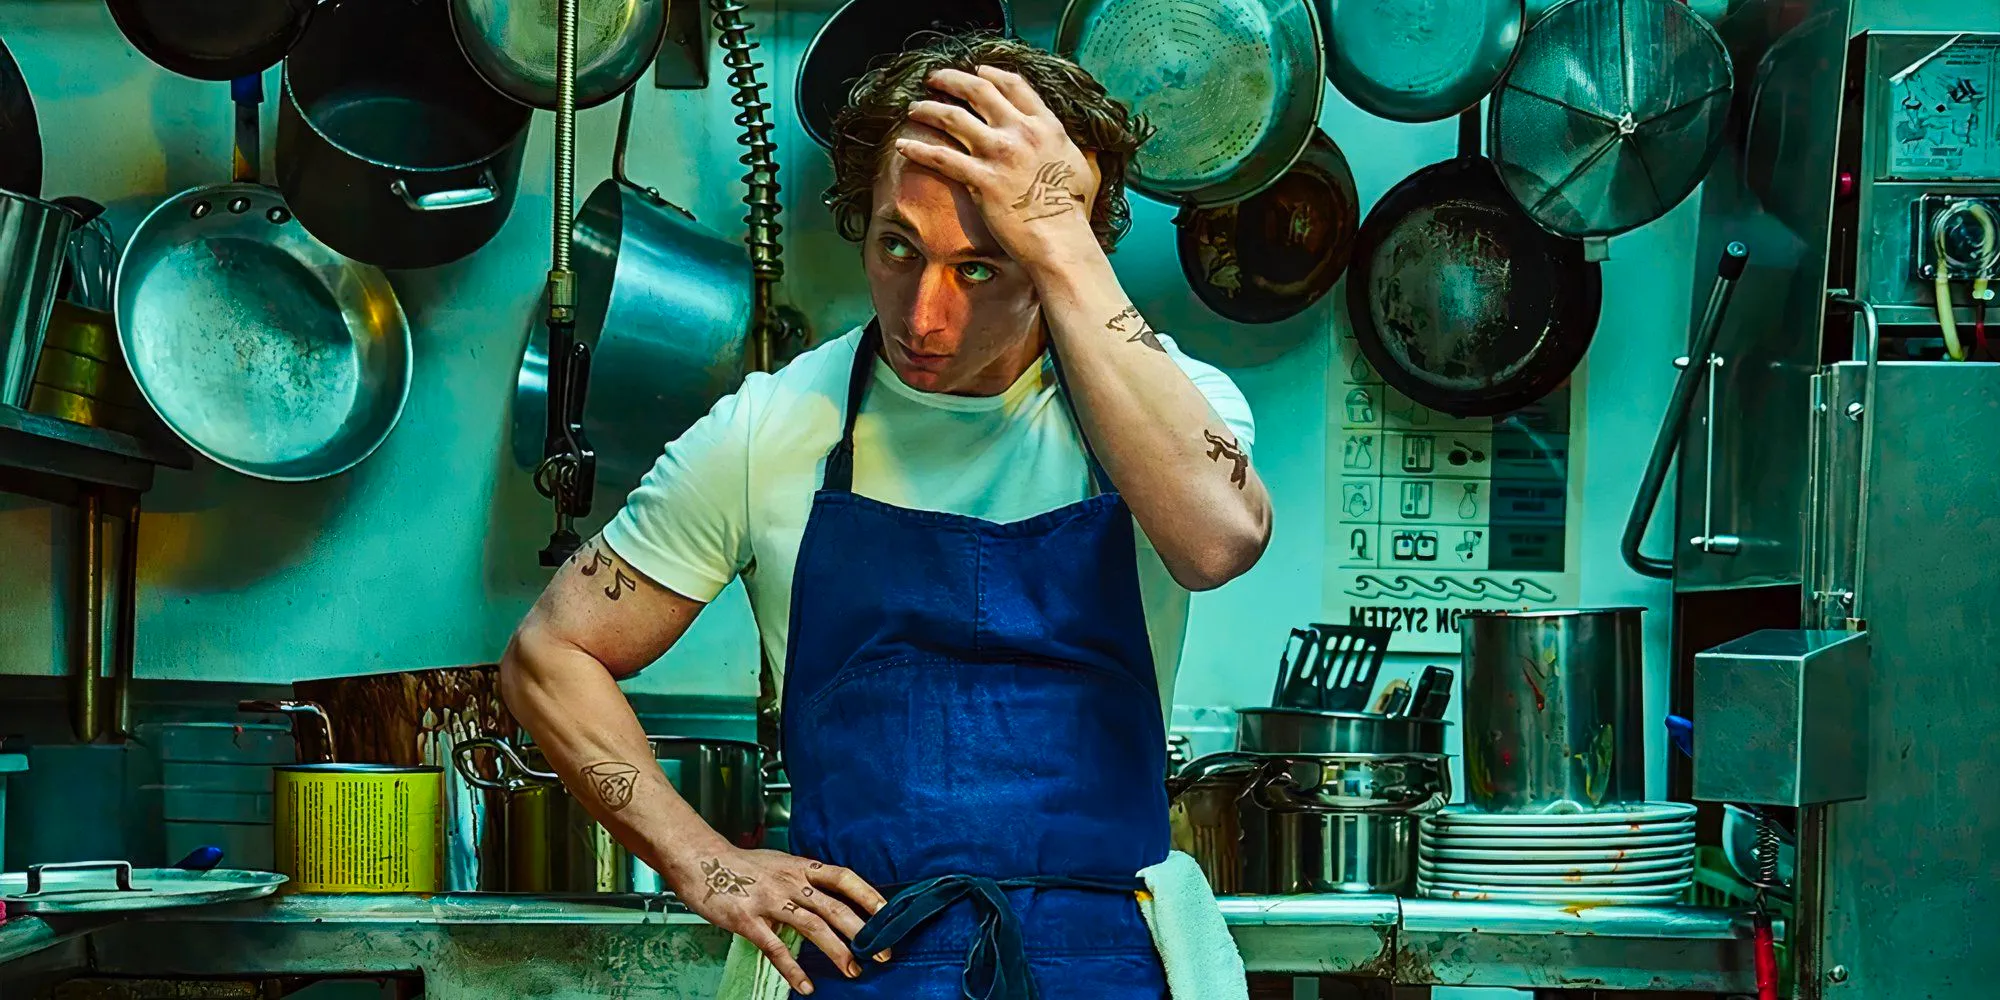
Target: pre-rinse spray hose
[766, 261]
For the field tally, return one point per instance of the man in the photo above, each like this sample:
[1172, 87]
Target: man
[934, 519]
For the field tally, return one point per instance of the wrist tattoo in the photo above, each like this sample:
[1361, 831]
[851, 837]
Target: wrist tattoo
[1049, 195]
[1125, 322]
[614, 781]
[1220, 447]
[725, 880]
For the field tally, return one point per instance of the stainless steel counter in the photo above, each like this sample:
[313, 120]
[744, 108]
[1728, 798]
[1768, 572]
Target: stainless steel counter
[645, 947]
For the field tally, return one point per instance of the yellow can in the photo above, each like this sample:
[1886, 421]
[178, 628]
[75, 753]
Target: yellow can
[357, 827]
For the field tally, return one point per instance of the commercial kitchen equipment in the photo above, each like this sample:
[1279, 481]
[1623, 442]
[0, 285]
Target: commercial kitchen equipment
[1553, 715]
[1272, 255]
[215, 39]
[513, 46]
[34, 239]
[1416, 61]
[20, 131]
[1841, 485]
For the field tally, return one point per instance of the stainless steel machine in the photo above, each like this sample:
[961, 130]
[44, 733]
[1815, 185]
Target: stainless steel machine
[1836, 536]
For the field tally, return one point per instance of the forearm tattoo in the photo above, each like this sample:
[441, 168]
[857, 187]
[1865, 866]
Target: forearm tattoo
[1049, 194]
[725, 880]
[1220, 447]
[613, 781]
[1128, 320]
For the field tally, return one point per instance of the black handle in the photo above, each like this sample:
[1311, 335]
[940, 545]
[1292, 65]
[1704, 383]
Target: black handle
[1735, 257]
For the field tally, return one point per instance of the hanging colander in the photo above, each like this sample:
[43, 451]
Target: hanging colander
[1611, 115]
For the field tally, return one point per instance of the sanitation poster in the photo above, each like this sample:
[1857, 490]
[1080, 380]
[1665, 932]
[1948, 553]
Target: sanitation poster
[1430, 516]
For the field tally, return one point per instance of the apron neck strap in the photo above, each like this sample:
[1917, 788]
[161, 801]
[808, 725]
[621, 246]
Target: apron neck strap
[840, 462]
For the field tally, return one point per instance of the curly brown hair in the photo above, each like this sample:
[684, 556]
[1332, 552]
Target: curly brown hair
[879, 105]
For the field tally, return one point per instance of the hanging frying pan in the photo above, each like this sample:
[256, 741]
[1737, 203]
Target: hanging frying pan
[1419, 60]
[1459, 300]
[1268, 257]
[20, 132]
[213, 39]
[864, 30]
[512, 44]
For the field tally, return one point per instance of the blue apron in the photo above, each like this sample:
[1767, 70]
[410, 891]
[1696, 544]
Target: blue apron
[972, 724]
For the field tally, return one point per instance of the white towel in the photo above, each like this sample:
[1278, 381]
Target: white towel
[1189, 932]
[1181, 914]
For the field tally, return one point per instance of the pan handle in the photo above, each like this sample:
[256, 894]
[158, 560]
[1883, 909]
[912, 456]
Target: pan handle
[514, 772]
[1700, 358]
[442, 201]
[321, 727]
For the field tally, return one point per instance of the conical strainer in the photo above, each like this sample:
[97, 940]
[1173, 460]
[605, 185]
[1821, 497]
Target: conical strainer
[1611, 115]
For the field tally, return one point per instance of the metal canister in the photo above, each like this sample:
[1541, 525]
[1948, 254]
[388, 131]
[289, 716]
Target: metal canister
[357, 827]
[1553, 718]
[34, 236]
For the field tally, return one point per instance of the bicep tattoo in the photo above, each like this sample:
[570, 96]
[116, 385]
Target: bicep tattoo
[1128, 320]
[1220, 447]
[591, 559]
[613, 781]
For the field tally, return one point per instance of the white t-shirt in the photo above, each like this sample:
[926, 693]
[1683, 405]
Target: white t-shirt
[731, 495]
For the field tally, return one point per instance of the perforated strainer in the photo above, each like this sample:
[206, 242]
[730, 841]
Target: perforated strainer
[1612, 114]
[1232, 86]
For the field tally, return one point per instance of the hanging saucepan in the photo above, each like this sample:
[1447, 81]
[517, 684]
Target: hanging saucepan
[1419, 60]
[1233, 87]
[1270, 256]
[391, 149]
[665, 305]
[862, 31]
[20, 132]
[213, 39]
[1459, 300]
[512, 43]
[258, 345]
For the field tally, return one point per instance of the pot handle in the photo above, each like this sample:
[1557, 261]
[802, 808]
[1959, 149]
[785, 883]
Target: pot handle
[440, 201]
[1210, 766]
[320, 741]
[513, 770]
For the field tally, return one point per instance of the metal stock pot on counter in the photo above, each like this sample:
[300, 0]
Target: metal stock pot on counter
[1318, 818]
[552, 844]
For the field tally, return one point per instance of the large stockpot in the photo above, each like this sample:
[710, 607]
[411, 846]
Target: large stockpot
[553, 844]
[664, 304]
[391, 149]
[1552, 715]
[1275, 824]
[34, 238]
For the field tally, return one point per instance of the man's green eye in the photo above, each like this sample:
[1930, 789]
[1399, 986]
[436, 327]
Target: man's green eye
[897, 248]
[974, 271]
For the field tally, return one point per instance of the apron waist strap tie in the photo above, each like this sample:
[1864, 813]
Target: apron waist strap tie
[996, 966]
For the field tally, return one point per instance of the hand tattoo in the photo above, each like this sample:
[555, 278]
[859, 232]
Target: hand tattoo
[1123, 322]
[727, 881]
[619, 583]
[1048, 195]
[792, 907]
[614, 781]
[1220, 448]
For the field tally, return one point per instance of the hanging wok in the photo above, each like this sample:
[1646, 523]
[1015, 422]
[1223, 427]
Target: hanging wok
[20, 132]
[213, 39]
[664, 304]
[1459, 300]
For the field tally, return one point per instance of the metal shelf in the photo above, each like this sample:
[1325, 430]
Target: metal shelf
[52, 459]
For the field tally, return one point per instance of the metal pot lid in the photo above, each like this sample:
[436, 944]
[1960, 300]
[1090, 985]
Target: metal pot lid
[1233, 87]
[1419, 60]
[863, 31]
[113, 886]
[1270, 256]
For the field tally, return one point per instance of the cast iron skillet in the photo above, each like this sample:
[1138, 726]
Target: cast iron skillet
[863, 30]
[1270, 256]
[1459, 300]
[20, 132]
[213, 39]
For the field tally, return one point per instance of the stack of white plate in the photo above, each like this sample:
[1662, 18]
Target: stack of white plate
[1641, 855]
